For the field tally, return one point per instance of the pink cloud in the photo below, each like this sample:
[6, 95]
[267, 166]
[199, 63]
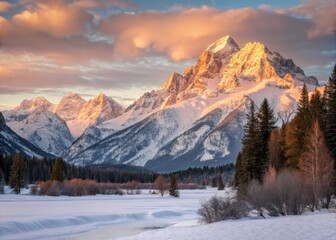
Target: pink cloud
[322, 14]
[54, 18]
[55, 34]
[5, 6]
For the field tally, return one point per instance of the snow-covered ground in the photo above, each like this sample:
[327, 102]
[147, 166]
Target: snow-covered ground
[144, 216]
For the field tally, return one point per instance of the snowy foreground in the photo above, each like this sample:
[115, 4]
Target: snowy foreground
[144, 216]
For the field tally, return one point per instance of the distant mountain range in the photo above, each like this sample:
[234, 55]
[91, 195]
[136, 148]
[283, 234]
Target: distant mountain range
[195, 119]
[53, 128]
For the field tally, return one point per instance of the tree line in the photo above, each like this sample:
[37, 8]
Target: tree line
[26, 170]
[304, 144]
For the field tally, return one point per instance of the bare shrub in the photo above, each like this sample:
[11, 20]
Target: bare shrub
[190, 186]
[161, 185]
[34, 189]
[55, 189]
[44, 186]
[78, 187]
[219, 208]
[283, 194]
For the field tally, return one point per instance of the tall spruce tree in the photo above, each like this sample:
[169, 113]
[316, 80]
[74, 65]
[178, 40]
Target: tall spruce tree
[241, 175]
[330, 124]
[173, 190]
[277, 148]
[318, 109]
[301, 127]
[250, 145]
[19, 174]
[221, 185]
[57, 171]
[266, 123]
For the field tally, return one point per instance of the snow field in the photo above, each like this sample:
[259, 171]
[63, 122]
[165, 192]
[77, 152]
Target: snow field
[145, 217]
[44, 217]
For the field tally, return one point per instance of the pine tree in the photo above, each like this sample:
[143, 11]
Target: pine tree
[220, 183]
[330, 125]
[318, 109]
[173, 190]
[241, 174]
[266, 123]
[246, 164]
[300, 126]
[213, 182]
[18, 174]
[277, 148]
[57, 171]
[250, 145]
[2, 182]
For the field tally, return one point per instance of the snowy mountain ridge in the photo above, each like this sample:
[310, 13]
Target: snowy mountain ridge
[196, 118]
[54, 127]
[11, 143]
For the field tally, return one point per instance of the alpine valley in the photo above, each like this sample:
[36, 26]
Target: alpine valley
[195, 119]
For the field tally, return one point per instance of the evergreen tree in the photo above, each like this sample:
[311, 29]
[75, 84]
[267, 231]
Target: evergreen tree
[213, 182]
[2, 182]
[277, 148]
[318, 109]
[301, 127]
[330, 125]
[246, 164]
[220, 183]
[173, 190]
[57, 171]
[266, 123]
[18, 174]
[241, 174]
[250, 145]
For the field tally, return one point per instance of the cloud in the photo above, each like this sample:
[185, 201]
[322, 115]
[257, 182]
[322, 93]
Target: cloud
[60, 44]
[322, 14]
[184, 34]
[5, 6]
[53, 17]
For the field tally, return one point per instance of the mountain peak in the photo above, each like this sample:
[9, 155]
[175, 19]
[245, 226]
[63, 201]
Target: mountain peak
[213, 59]
[222, 43]
[69, 106]
[175, 83]
[255, 62]
[38, 103]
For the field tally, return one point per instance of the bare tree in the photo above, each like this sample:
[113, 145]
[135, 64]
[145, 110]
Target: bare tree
[286, 114]
[161, 185]
[317, 167]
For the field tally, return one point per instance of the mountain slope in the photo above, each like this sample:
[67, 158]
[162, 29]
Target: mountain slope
[45, 130]
[11, 143]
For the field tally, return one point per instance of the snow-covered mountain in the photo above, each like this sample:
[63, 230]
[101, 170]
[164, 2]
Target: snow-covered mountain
[11, 143]
[42, 128]
[196, 118]
[70, 106]
[95, 111]
[53, 128]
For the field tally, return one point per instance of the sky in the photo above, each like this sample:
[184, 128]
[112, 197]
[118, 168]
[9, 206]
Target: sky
[126, 48]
